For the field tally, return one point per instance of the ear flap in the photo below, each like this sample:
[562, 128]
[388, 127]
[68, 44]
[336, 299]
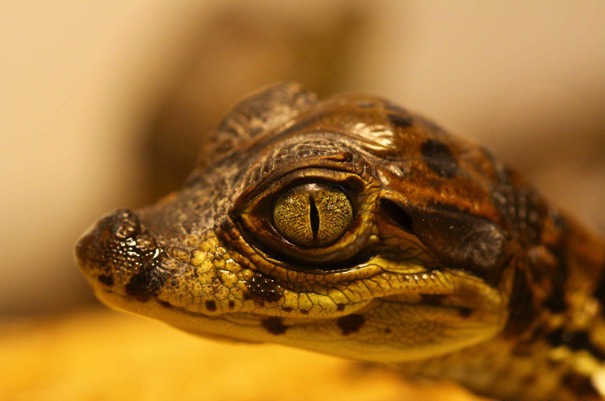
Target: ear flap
[458, 239]
[254, 116]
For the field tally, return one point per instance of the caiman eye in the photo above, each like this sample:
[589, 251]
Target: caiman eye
[312, 215]
[311, 219]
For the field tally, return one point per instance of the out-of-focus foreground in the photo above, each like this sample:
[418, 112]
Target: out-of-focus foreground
[104, 105]
[105, 356]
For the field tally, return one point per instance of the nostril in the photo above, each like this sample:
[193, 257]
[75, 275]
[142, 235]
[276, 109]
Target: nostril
[125, 224]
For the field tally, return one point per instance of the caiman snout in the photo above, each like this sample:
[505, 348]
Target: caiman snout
[122, 256]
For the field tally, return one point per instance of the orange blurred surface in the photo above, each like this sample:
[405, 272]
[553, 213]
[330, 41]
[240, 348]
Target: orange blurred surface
[103, 356]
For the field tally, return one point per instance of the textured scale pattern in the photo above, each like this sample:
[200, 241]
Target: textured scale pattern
[446, 262]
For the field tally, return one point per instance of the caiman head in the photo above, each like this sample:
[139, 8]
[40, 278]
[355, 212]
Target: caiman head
[347, 225]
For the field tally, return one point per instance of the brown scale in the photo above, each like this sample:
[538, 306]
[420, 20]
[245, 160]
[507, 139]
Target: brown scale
[438, 258]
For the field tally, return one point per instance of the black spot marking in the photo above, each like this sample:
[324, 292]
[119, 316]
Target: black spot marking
[231, 304]
[464, 312]
[274, 325]
[530, 379]
[522, 349]
[225, 225]
[350, 324]
[436, 300]
[340, 307]
[263, 289]
[558, 276]
[432, 299]
[580, 386]
[304, 311]
[211, 305]
[106, 279]
[286, 309]
[520, 305]
[146, 283]
[439, 158]
[556, 300]
[599, 292]
[576, 341]
[387, 330]
[165, 304]
[400, 121]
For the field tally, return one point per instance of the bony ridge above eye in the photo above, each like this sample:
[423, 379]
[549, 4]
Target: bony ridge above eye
[312, 215]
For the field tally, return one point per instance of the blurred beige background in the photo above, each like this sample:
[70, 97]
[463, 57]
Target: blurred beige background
[83, 82]
[101, 103]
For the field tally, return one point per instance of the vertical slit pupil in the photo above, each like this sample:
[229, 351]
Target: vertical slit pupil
[314, 217]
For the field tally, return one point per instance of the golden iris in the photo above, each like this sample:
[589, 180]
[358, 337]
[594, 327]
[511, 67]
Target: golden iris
[312, 215]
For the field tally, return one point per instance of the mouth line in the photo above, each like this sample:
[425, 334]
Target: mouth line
[428, 300]
[126, 299]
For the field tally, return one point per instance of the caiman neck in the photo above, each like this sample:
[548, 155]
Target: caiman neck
[553, 346]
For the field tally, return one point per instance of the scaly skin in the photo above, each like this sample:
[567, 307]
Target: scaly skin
[352, 227]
